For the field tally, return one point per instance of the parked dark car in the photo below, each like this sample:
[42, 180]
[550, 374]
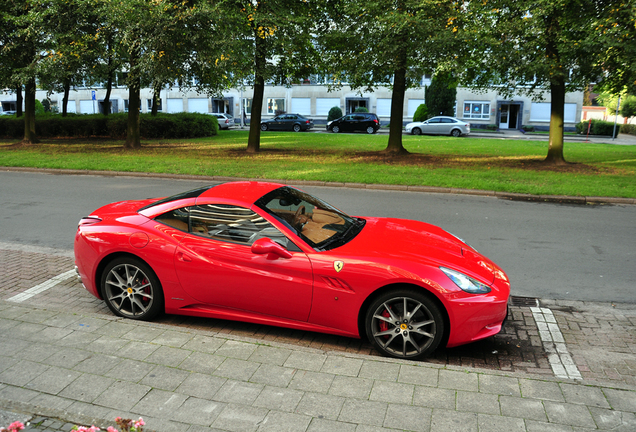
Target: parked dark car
[287, 122]
[365, 122]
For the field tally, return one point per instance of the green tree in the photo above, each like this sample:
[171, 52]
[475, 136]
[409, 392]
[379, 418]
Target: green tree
[628, 107]
[533, 46]
[372, 43]
[271, 42]
[441, 95]
[421, 113]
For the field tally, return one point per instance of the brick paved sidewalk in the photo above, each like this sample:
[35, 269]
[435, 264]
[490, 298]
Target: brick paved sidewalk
[66, 357]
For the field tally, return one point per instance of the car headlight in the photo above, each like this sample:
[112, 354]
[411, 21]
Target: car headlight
[466, 283]
[329, 123]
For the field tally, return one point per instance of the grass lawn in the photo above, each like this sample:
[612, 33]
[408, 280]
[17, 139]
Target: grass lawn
[469, 163]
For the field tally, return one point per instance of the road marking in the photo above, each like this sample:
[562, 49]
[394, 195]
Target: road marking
[25, 295]
[554, 344]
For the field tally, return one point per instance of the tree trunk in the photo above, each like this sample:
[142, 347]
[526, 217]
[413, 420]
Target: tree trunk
[155, 99]
[29, 112]
[557, 114]
[18, 101]
[109, 84]
[67, 89]
[133, 136]
[397, 113]
[254, 139]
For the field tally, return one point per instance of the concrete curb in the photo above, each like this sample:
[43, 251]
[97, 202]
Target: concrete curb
[561, 199]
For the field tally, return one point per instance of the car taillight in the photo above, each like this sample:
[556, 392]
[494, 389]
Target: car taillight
[376, 120]
[88, 220]
[307, 122]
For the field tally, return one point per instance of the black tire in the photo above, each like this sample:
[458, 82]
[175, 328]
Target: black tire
[297, 128]
[456, 133]
[370, 130]
[263, 126]
[401, 335]
[416, 131]
[335, 129]
[131, 289]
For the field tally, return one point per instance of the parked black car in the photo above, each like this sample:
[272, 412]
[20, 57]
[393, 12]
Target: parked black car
[365, 122]
[290, 122]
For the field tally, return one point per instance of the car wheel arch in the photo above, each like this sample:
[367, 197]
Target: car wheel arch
[428, 292]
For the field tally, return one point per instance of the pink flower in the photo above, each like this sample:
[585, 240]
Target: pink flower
[111, 429]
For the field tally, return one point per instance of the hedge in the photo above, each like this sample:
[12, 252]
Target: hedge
[598, 127]
[181, 125]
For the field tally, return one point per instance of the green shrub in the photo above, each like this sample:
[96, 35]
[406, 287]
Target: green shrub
[181, 125]
[421, 113]
[491, 127]
[361, 109]
[334, 113]
[599, 127]
[528, 128]
[628, 129]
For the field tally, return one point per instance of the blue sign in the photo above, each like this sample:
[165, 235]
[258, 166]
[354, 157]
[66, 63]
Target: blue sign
[93, 94]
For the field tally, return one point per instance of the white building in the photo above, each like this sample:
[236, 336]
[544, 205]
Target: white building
[315, 101]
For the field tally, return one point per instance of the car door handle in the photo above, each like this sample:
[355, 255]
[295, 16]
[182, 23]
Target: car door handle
[183, 257]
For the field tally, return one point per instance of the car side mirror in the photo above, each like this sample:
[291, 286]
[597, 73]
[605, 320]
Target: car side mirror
[264, 246]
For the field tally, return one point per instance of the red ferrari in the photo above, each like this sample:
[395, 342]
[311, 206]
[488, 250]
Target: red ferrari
[271, 254]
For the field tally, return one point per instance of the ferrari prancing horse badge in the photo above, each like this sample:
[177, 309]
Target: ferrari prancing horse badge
[338, 265]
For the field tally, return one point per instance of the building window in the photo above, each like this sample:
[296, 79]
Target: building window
[477, 110]
[247, 106]
[275, 106]
[159, 105]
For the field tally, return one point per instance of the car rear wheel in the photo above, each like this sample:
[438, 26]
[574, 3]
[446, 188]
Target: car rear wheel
[296, 128]
[405, 324]
[131, 289]
[456, 133]
[264, 127]
[416, 131]
[336, 129]
[370, 130]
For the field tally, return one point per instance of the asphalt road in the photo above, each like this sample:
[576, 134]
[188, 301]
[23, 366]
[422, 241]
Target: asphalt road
[550, 251]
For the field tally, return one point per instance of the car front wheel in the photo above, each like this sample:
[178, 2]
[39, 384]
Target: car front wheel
[131, 289]
[263, 127]
[296, 128]
[370, 130]
[405, 324]
[336, 129]
[456, 133]
[416, 131]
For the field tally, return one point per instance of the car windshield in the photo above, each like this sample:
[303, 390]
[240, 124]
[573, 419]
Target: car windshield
[319, 224]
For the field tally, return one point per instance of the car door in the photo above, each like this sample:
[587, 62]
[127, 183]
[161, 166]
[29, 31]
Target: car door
[432, 126]
[347, 123]
[215, 264]
[276, 123]
[446, 125]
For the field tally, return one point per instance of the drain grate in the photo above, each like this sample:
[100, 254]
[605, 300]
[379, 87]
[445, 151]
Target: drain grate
[524, 301]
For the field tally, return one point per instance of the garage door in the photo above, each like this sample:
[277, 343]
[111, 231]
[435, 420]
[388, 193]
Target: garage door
[198, 105]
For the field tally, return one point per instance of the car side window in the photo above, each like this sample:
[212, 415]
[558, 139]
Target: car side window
[434, 120]
[223, 223]
[447, 120]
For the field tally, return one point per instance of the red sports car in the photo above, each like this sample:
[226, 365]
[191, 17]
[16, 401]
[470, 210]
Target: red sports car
[272, 254]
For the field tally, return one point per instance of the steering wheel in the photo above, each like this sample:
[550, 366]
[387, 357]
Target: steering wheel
[299, 213]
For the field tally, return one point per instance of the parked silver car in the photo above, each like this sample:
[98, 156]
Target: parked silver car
[440, 125]
[225, 120]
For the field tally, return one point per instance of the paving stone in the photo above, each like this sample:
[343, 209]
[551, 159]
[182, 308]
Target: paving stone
[159, 403]
[320, 405]
[443, 420]
[239, 418]
[204, 344]
[78, 339]
[363, 412]
[51, 401]
[122, 395]
[621, 400]
[97, 364]
[305, 361]
[168, 356]
[311, 381]
[607, 419]
[384, 391]
[270, 374]
[543, 390]
[201, 362]
[238, 392]
[324, 425]
[568, 414]
[284, 422]
[142, 334]
[164, 378]
[380, 371]
[236, 369]
[351, 387]
[406, 417]
[130, 370]
[237, 350]
[201, 386]
[491, 423]
[499, 385]
[478, 402]
[67, 358]
[18, 394]
[270, 355]
[525, 408]
[53, 380]
[435, 397]
[458, 380]
[579, 394]
[116, 329]
[87, 387]
[535, 426]
[342, 366]
[198, 411]
[173, 339]
[278, 399]
[136, 350]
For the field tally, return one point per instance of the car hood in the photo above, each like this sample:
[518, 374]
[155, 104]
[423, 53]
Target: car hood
[412, 242]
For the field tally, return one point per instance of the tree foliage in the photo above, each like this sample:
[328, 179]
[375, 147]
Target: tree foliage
[441, 95]
[421, 113]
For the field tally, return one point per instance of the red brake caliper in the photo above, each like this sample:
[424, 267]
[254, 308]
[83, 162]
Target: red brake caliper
[384, 326]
